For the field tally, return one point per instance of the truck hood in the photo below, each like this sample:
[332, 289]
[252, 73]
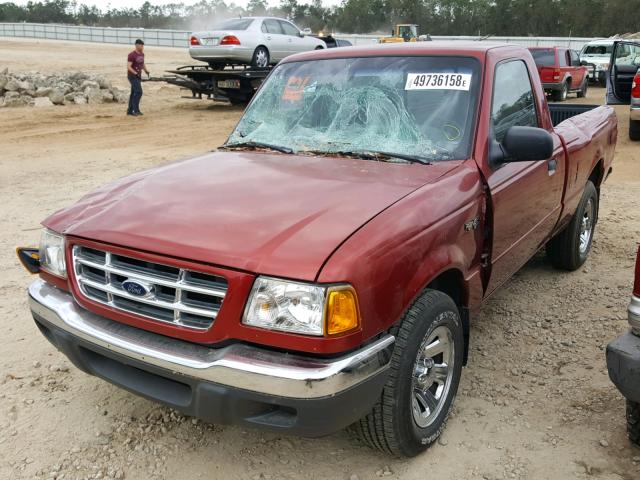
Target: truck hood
[267, 213]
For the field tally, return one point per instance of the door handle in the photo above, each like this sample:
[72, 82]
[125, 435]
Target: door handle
[268, 37]
[289, 40]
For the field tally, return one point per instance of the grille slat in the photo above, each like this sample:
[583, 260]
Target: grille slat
[178, 296]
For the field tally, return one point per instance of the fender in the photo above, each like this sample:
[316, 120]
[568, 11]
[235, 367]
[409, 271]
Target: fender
[392, 259]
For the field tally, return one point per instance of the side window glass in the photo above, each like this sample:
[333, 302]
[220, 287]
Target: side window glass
[628, 54]
[513, 101]
[562, 58]
[575, 59]
[289, 29]
[273, 26]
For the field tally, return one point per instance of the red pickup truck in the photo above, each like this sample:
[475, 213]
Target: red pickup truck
[321, 269]
[561, 72]
[623, 361]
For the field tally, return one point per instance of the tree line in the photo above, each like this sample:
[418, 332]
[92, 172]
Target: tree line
[583, 18]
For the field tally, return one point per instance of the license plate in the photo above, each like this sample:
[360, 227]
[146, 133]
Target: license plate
[228, 83]
[212, 42]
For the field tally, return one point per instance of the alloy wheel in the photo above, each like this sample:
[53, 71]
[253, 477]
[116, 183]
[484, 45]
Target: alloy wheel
[432, 375]
[586, 227]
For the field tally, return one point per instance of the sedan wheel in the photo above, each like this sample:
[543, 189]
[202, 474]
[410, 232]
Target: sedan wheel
[260, 58]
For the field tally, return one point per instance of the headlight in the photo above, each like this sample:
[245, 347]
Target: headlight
[302, 308]
[52, 253]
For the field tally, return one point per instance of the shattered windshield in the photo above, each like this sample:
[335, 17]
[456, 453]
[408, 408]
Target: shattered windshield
[422, 107]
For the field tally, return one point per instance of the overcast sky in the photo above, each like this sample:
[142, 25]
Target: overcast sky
[136, 3]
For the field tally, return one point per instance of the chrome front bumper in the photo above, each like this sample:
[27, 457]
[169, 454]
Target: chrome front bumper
[238, 366]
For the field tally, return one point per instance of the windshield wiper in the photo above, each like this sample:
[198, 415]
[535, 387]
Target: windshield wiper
[371, 155]
[277, 148]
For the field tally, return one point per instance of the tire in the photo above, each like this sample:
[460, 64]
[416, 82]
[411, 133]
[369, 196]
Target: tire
[561, 95]
[633, 422]
[602, 81]
[569, 249]
[634, 130]
[583, 91]
[398, 424]
[260, 57]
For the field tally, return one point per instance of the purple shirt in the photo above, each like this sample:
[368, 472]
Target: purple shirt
[137, 62]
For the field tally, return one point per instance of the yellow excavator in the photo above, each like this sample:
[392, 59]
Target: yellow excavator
[403, 32]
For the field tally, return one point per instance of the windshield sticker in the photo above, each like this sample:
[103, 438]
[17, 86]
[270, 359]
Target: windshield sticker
[295, 88]
[438, 81]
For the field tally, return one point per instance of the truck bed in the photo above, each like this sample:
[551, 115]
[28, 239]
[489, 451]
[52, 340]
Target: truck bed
[562, 111]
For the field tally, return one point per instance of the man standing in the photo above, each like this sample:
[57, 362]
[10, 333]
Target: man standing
[135, 66]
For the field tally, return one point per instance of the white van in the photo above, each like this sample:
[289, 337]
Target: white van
[596, 55]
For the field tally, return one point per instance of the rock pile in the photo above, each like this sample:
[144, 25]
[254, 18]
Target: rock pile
[40, 90]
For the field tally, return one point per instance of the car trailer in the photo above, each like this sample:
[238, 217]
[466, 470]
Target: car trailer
[235, 85]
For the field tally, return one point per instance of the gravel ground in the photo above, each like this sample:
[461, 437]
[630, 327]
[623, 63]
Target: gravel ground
[535, 401]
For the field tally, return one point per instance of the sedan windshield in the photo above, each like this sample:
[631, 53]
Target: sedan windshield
[421, 109]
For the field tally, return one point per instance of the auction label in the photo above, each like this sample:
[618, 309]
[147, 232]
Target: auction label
[438, 81]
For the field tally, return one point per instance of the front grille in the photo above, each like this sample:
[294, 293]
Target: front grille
[162, 292]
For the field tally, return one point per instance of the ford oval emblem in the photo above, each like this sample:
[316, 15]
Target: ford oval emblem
[134, 287]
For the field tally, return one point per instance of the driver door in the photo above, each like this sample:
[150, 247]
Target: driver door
[625, 61]
[526, 196]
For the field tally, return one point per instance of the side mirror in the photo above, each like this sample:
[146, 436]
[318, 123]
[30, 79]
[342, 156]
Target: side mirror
[523, 144]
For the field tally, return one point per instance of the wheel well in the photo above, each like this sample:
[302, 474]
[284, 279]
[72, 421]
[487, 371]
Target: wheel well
[597, 174]
[451, 282]
[319, 47]
[568, 80]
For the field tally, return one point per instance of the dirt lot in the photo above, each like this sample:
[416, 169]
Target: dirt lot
[535, 401]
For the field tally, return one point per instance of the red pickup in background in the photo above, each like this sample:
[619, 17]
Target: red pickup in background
[560, 72]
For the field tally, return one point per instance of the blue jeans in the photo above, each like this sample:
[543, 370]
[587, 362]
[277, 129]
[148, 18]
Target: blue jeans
[136, 94]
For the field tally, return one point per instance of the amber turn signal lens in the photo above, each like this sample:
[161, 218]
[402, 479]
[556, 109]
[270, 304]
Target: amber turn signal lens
[342, 311]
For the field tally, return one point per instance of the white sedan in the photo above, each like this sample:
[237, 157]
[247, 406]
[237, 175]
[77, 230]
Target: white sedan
[255, 41]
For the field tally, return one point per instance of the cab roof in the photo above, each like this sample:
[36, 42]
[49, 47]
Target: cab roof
[437, 47]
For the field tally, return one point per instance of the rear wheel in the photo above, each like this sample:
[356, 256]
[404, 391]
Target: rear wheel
[260, 58]
[634, 129]
[425, 371]
[583, 91]
[633, 421]
[561, 95]
[570, 248]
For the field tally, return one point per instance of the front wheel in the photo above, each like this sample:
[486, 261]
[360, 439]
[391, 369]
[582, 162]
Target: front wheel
[570, 248]
[426, 365]
[260, 58]
[634, 130]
